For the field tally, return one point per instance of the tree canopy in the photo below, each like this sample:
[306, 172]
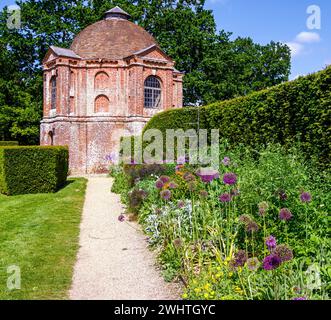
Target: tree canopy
[216, 67]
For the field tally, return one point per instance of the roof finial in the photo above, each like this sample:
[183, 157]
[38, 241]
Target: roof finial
[117, 13]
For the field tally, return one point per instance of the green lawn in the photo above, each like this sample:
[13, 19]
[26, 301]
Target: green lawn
[39, 233]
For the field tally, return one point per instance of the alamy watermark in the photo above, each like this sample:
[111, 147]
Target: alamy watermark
[314, 21]
[14, 18]
[14, 277]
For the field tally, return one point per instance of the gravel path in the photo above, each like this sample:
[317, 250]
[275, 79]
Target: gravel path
[114, 261]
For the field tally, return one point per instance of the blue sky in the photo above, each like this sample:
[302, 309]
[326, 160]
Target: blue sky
[278, 20]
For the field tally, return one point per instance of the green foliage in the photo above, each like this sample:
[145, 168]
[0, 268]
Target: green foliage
[198, 236]
[8, 143]
[295, 111]
[215, 67]
[32, 169]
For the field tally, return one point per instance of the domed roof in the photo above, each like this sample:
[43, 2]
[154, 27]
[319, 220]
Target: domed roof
[112, 38]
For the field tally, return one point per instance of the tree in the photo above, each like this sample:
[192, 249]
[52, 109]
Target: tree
[215, 67]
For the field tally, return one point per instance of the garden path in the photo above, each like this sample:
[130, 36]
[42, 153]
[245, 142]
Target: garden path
[114, 261]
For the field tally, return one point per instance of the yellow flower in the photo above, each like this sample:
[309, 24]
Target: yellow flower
[230, 274]
[197, 290]
[206, 295]
[184, 296]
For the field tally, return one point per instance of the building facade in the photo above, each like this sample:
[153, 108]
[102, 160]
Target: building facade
[110, 82]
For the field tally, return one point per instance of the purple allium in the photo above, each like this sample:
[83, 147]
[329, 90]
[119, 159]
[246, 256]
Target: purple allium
[245, 218]
[121, 218]
[226, 161]
[300, 298]
[263, 208]
[230, 178]
[305, 197]
[225, 197]
[165, 194]
[192, 186]
[173, 185]
[253, 264]
[178, 243]
[208, 176]
[180, 204]
[165, 179]
[271, 243]
[159, 184]
[203, 194]
[271, 262]
[285, 214]
[252, 226]
[235, 192]
[240, 259]
[284, 252]
[188, 176]
[282, 195]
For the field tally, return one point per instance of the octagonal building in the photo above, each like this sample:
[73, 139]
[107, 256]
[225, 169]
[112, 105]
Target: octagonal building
[110, 82]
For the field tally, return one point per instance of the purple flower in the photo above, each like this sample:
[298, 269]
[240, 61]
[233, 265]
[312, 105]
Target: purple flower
[203, 194]
[285, 214]
[235, 192]
[226, 161]
[284, 252]
[252, 226]
[121, 218]
[173, 185]
[300, 298]
[271, 262]
[225, 197]
[282, 195]
[188, 176]
[159, 184]
[180, 204]
[271, 243]
[305, 197]
[240, 259]
[208, 175]
[253, 264]
[165, 179]
[165, 194]
[263, 208]
[245, 218]
[230, 178]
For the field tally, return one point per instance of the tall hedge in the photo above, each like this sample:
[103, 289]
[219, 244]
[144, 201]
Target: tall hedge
[299, 111]
[8, 143]
[32, 169]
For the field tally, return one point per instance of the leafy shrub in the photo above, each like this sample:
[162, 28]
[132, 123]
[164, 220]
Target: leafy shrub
[32, 169]
[8, 143]
[299, 110]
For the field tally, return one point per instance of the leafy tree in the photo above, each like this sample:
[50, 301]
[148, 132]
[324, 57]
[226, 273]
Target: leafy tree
[216, 68]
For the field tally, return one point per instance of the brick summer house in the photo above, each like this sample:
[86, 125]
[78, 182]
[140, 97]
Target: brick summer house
[113, 79]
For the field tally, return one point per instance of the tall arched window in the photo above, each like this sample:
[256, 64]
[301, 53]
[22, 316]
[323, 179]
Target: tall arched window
[53, 92]
[101, 104]
[152, 92]
[101, 81]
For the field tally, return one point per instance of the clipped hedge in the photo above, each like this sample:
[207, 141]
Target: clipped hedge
[8, 143]
[32, 169]
[296, 111]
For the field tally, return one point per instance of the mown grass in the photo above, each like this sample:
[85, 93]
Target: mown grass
[39, 234]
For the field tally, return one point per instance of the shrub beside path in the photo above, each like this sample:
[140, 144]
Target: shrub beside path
[114, 261]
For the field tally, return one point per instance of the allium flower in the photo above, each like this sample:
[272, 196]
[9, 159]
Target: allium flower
[226, 161]
[235, 192]
[300, 298]
[263, 208]
[253, 264]
[284, 252]
[121, 218]
[225, 197]
[178, 243]
[240, 259]
[271, 262]
[285, 214]
[271, 243]
[282, 195]
[230, 178]
[245, 218]
[188, 176]
[165, 179]
[252, 226]
[305, 197]
[159, 184]
[192, 186]
[173, 185]
[165, 194]
[203, 194]
[180, 204]
[208, 176]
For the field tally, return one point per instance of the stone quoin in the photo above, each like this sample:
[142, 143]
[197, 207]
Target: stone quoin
[111, 81]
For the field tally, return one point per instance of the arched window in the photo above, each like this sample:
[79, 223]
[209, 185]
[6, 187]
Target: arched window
[101, 104]
[53, 92]
[101, 80]
[152, 92]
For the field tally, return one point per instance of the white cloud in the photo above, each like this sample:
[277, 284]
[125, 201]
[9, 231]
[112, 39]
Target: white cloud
[308, 37]
[328, 62]
[296, 48]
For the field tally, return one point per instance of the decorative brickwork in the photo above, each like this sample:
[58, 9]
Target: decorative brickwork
[99, 90]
